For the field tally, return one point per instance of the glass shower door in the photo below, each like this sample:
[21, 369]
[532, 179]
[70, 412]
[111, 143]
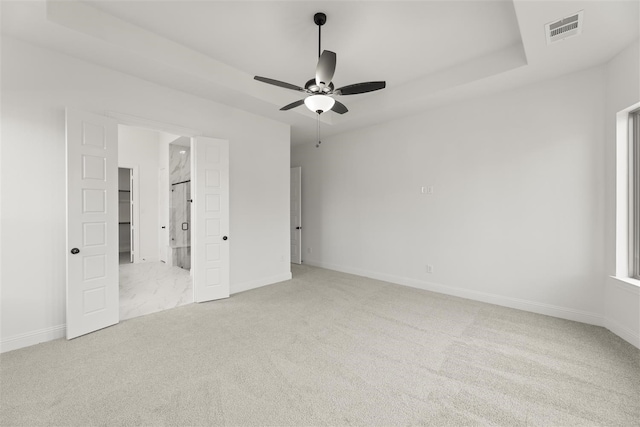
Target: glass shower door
[181, 224]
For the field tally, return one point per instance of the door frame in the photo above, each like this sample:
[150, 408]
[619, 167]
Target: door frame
[135, 215]
[153, 125]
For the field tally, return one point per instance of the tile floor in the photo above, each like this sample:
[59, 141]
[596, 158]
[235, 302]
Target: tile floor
[152, 286]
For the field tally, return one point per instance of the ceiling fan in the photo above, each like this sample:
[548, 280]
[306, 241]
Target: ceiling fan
[320, 89]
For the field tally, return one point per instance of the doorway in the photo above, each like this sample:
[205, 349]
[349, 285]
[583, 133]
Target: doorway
[148, 280]
[95, 149]
[154, 274]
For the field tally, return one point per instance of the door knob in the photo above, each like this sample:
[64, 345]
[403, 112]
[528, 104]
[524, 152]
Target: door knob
[298, 228]
[224, 237]
[75, 251]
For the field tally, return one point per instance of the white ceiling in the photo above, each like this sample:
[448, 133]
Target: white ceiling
[429, 52]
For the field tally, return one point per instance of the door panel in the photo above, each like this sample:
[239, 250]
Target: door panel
[210, 210]
[296, 215]
[92, 222]
[163, 203]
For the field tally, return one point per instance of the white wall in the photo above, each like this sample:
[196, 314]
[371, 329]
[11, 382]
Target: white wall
[140, 149]
[37, 84]
[517, 215]
[622, 299]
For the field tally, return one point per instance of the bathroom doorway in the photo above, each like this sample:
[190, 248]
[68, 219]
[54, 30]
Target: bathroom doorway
[154, 221]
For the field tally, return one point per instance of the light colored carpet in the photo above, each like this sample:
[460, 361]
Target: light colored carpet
[328, 348]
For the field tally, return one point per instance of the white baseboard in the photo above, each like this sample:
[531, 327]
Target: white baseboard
[32, 338]
[520, 304]
[623, 332]
[55, 332]
[622, 302]
[252, 284]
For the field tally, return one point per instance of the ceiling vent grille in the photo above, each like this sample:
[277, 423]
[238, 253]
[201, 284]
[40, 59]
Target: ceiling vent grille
[564, 28]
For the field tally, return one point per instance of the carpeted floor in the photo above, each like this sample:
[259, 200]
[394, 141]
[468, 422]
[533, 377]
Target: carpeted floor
[328, 348]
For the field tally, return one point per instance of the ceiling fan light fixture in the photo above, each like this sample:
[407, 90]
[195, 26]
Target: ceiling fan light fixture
[319, 103]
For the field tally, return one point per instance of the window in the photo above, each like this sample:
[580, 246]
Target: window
[634, 194]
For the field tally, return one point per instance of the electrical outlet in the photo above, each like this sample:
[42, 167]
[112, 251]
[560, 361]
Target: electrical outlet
[429, 268]
[427, 189]
[308, 250]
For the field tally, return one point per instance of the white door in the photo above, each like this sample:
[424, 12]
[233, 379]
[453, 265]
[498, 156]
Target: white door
[92, 222]
[210, 218]
[163, 215]
[296, 215]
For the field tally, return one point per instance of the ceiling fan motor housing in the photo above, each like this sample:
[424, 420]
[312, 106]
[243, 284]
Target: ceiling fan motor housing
[313, 87]
[320, 18]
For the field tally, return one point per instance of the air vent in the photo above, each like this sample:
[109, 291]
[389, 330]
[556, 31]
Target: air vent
[564, 28]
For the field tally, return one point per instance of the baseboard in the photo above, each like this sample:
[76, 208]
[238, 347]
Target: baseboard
[252, 284]
[520, 304]
[55, 332]
[32, 338]
[622, 301]
[623, 332]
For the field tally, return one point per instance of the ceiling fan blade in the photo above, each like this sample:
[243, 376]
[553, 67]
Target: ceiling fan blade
[326, 67]
[292, 105]
[357, 88]
[279, 83]
[339, 108]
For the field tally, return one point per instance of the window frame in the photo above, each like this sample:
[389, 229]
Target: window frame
[634, 194]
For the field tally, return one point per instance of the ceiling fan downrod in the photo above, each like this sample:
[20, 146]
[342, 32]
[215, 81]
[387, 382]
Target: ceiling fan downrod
[320, 19]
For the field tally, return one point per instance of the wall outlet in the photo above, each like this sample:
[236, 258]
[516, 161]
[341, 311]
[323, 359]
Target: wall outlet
[429, 268]
[309, 250]
[427, 189]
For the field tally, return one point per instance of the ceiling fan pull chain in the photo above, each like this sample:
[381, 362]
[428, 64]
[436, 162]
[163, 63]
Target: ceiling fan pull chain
[319, 142]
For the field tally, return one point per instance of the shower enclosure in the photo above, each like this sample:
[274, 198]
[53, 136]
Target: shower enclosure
[180, 226]
[180, 202]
